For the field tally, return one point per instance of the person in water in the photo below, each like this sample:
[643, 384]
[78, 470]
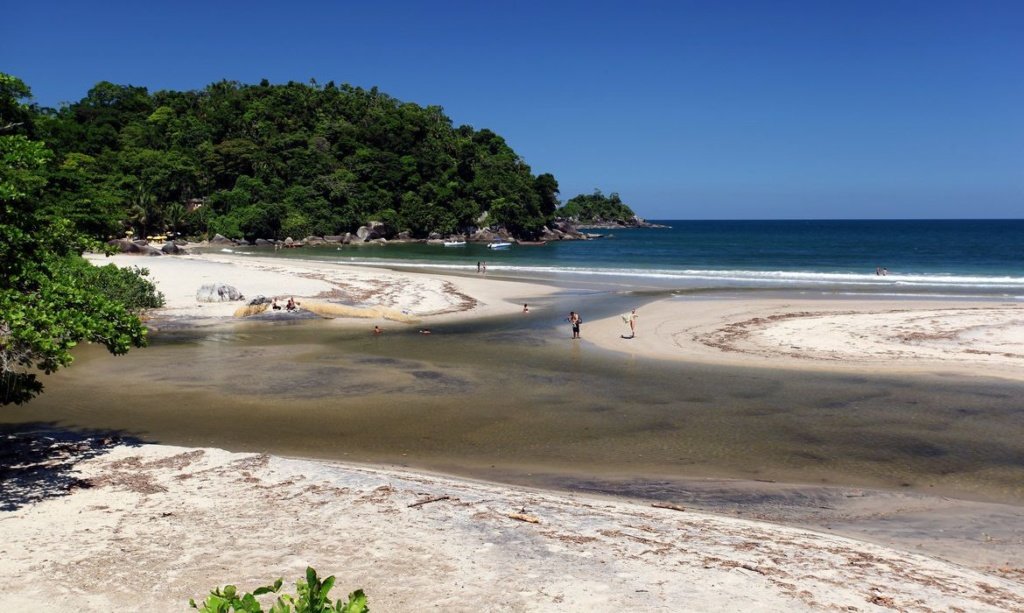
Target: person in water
[526, 308]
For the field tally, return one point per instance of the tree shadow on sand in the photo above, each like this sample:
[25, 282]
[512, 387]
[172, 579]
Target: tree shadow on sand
[38, 460]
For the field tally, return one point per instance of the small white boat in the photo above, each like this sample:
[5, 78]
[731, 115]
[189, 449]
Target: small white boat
[499, 245]
[455, 243]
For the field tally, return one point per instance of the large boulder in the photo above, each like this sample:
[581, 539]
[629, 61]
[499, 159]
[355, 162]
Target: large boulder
[334, 238]
[218, 292]
[262, 242]
[219, 239]
[314, 240]
[373, 230]
[172, 248]
[123, 245]
[484, 235]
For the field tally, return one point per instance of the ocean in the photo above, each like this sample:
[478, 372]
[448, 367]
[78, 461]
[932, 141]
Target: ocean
[945, 258]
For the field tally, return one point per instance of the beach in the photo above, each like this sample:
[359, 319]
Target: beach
[965, 337]
[365, 293]
[164, 508]
[148, 527]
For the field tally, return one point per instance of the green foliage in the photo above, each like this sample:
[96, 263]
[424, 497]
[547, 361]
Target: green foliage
[596, 207]
[126, 286]
[278, 160]
[47, 305]
[312, 596]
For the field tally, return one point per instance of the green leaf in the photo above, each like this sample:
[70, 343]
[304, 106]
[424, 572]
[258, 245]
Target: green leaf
[356, 603]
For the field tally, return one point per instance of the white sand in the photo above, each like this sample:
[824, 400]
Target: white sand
[977, 338]
[421, 296]
[162, 524]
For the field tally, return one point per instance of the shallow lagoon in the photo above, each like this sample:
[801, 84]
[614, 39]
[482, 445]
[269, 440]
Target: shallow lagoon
[514, 399]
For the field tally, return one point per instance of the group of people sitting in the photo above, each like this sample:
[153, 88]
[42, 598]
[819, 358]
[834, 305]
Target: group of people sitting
[291, 306]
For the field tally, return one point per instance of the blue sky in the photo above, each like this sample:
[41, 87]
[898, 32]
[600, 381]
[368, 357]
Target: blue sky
[715, 109]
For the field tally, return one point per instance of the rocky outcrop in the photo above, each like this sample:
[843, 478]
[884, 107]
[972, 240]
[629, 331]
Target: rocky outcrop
[172, 248]
[562, 230]
[373, 230]
[139, 247]
[218, 292]
[219, 239]
[631, 222]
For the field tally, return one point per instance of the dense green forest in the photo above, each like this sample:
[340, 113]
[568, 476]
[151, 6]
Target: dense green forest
[269, 161]
[596, 207]
[50, 298]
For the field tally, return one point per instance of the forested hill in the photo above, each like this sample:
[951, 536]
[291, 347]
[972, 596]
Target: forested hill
[280, 160]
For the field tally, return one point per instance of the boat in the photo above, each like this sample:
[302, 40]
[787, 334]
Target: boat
[455, 243]
[499, 245]
[532, 243]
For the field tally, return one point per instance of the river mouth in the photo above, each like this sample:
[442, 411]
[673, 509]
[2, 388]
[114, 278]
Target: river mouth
[514, 399]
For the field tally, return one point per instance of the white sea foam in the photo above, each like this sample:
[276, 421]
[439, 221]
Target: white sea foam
[742, 278]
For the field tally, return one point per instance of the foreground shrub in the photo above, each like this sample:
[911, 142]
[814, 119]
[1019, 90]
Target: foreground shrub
[312, 597]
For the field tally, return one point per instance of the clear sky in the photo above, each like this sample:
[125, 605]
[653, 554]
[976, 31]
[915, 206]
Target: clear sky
[716, 109]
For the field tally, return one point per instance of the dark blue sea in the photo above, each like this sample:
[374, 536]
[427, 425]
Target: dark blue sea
[932, 257]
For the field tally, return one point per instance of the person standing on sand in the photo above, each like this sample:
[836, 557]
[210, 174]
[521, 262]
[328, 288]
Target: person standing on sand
[575, 320]
[632, 323]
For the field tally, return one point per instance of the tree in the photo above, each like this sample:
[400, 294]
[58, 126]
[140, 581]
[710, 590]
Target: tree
[46, 308]
[597, 207]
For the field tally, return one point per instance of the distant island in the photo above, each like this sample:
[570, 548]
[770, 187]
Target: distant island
[599, 211]
[268, 162]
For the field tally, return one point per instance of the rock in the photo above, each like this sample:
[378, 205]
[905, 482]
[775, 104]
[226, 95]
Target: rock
[262, 242]
[180, 242]
[484, 236]
[373, 230]
[171, 248]
[348, 239]
[434, 236]
[139, 247]
[404, 236]
[219, 239]
[435, 241]
[122, 244]
[218, 292]
[334, 239]
[379, 241]
[289, 241]
[258, 300]
[313, 240]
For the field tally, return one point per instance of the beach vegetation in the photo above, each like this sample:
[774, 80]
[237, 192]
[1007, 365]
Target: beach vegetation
[312, 596]
[597, 208]
[50, 298]
[278, 160]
